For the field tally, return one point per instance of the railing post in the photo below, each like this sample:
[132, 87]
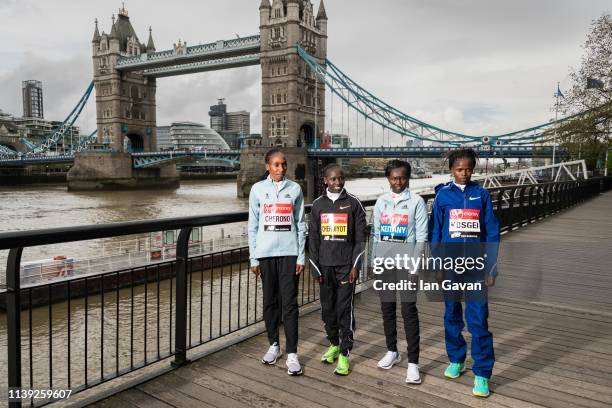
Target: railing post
[522, 207]
[13, 320]
[180, 334]
[511, 209]
[500, 199]
[551, 199]
[531, 205]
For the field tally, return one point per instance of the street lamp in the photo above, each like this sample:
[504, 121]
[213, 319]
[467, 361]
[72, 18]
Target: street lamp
[594, 83]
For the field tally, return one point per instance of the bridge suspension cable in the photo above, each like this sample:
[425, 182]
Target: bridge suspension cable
[5, 152]
[65, 127]
[391, 119]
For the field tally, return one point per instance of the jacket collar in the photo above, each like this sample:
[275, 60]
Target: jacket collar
[342, 195]
[282, 184]
[469, 185]
[406, 195]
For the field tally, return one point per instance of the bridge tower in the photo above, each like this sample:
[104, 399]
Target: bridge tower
[125, 102]
[126, 117]
[293, 100]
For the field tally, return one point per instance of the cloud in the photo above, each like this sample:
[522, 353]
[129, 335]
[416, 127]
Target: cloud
[189, 97]
[475, 66]
[64, 82]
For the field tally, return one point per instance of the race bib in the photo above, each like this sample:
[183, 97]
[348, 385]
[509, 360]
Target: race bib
[464, 223]
[278, 217]
[334, 227]
[393, 227]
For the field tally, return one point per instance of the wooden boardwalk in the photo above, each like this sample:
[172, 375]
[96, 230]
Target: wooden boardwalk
[551, 321]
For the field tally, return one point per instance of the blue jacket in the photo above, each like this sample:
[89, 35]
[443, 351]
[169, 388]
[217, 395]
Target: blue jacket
[277, 225]
[465, 217]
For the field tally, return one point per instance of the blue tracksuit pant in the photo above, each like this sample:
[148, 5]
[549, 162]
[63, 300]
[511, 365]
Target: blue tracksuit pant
[476, 315]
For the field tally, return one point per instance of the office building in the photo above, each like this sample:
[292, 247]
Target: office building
[164, 140]
[232, 126]
[32, 99]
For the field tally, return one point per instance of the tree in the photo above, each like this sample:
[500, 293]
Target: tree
[588, 135]
[596, 63]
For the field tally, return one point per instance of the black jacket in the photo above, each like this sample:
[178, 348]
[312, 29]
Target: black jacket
[337, 232]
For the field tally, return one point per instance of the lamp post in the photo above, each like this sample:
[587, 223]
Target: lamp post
[556, 118]
[594, 83]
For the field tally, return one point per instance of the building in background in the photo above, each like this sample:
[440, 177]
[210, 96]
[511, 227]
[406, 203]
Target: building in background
[232, 126]
[195, 136]
[164, 140]
[335, 140]
[414, 143]
[32, 99]
[35, 131]
[217, 116]
[28, 133]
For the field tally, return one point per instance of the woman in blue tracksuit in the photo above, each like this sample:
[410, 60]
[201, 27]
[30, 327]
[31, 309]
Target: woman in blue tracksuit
[463, 224]
[277, 237]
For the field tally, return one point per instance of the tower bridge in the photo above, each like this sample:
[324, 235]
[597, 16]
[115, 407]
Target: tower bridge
[304, 97]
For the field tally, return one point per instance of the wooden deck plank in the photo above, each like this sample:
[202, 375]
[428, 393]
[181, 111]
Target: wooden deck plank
[310, 387]
[163, 389]
[505, 366]
[376, 388]
[202, 392]
[364, 361]
[558, 339]
[142, 399]
[571, 366]
[254, 393]
[504, 389]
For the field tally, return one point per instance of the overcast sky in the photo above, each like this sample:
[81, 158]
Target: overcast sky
[473, 66]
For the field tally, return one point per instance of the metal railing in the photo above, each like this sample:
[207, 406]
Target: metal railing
[113, 323]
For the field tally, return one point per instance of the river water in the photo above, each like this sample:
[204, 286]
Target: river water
[38, 207]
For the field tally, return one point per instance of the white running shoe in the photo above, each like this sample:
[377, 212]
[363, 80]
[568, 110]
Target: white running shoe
[293, 364]
[412, 374]
[389, 360]
[272, 355]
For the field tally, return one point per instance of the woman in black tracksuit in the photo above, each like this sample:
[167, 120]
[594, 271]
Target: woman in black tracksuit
[336, 237]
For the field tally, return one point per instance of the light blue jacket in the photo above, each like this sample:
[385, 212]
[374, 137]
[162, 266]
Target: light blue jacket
[412, 205]
[269, 237]
[394, 236]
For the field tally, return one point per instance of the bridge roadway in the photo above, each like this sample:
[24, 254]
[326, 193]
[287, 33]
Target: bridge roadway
[553, 342]
[146, 159]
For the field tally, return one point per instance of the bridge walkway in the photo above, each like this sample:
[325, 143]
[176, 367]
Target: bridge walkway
[553, 345]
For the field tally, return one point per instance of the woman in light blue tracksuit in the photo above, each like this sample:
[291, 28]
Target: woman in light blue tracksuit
[463, 224]
[277, 236]
[399, 226]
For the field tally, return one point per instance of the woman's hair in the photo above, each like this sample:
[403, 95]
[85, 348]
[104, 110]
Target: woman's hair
[397, 164]
[465, 153]
[273, 152]
[329, 167]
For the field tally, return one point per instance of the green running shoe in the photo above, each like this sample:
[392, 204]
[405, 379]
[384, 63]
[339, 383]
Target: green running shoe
[342, 368]
[481, 387]
[454, 370]
[331, 354]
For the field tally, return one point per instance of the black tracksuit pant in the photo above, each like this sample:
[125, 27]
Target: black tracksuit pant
[410, 315]
[280, 287]
[337, 306]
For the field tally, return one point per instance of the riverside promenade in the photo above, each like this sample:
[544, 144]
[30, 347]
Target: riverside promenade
[550, 314]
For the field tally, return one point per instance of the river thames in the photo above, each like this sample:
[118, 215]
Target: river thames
[52, 206]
